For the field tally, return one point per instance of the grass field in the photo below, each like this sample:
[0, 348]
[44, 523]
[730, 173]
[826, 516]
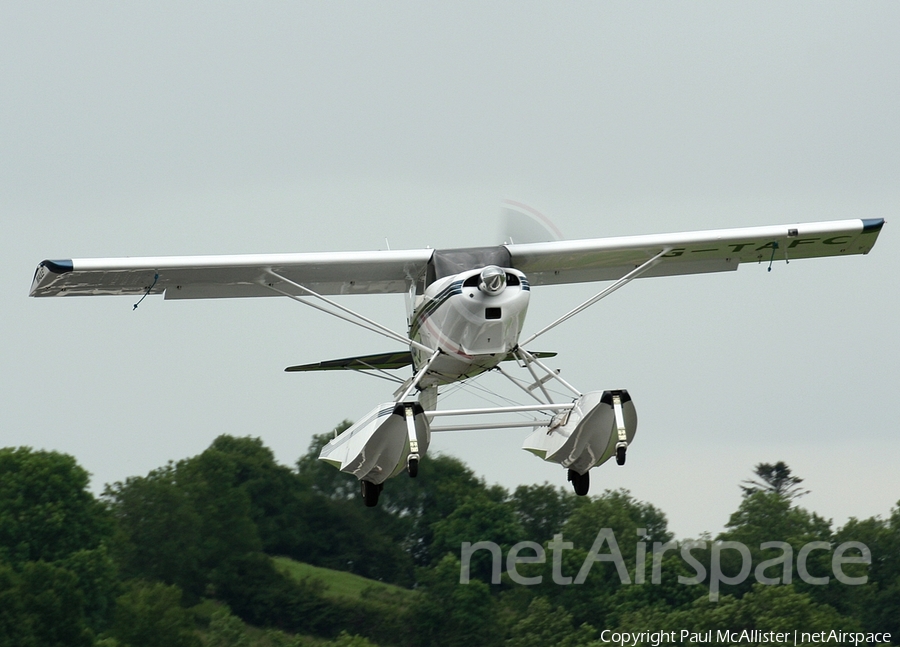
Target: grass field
[339, 583]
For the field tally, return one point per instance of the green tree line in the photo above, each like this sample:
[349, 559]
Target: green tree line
[183, 557]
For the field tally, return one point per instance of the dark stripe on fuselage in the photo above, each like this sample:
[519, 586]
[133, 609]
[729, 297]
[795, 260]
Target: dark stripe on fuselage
[429, 308]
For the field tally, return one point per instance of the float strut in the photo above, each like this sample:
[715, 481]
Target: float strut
[622, 444]
[412, 461]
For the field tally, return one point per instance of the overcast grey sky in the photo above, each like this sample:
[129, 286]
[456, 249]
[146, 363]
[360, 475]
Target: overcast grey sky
[132, 129]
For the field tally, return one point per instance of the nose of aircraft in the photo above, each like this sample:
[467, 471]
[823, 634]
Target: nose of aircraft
[493, 280]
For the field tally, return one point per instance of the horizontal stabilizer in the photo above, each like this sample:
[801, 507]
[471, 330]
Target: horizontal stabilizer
[379, 361]
[376, 362]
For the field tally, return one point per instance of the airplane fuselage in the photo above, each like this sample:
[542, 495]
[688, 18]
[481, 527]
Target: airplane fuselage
[474, 318]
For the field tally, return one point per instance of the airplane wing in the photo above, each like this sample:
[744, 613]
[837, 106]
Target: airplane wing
[548, 263]
[606, 259]
[204, 277]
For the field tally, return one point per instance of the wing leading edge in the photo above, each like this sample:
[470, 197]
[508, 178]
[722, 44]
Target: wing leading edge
[570, 261]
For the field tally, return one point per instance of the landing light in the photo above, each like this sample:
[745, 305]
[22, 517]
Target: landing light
[493, 280]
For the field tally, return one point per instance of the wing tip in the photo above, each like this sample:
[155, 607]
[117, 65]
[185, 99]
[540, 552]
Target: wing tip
[58, 267]
[46, 268]
[872, 225]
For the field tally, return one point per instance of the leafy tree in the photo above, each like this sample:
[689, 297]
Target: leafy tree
[776, 478]
[293, 517]
[200, 527]
[181, 521]
[259, 594]
[407, 510]
[621, 512]
[345, 535]
[616, 511]
[449, 614]
[226, 523]
[277, 496]
[443, 484]
[544, 509]
[349, 640]
[226, 630]
[42, 606]
[875, 604]
[478, 518]
[151, 615]
[667, 592]
[46, 510]
[324, 478]
[766, 608]
[13, 630]
[159, 530]
[768, 516]
[278, 638]
[545, 626]
[98, 582]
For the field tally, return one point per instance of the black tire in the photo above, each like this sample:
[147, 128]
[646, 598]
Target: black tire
[413, 467]
[581, 483]
[370, 492]
[620, 455]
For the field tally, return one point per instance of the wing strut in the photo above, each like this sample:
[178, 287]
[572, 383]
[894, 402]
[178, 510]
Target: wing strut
[551, 374]
[633, 274]
[526, 360]
[414, 381]
[354, 318]
[529, 389]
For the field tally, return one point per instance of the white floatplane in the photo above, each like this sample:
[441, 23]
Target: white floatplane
[466, 312]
